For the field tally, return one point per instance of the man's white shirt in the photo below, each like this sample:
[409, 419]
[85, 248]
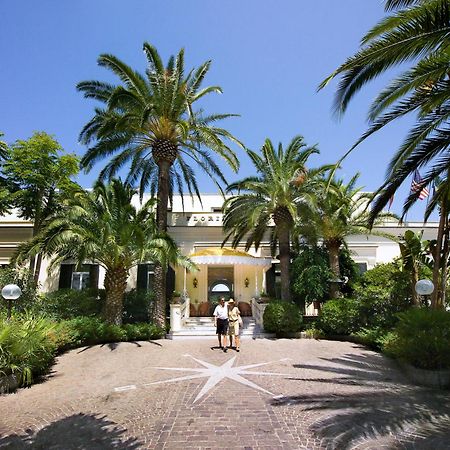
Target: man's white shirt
[221, 312]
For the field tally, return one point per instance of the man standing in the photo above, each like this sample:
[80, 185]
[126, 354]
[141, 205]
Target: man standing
[221, 323]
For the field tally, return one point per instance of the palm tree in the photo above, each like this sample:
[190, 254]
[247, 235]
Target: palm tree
[104, 226]
[269, 199]
[149, 122]
[335, 211]
[418, 31]
[440, 200]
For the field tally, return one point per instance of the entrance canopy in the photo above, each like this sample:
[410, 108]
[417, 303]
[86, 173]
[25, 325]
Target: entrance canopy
[228, 256]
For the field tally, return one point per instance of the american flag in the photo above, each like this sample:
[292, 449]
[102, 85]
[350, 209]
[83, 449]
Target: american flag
[417, 185]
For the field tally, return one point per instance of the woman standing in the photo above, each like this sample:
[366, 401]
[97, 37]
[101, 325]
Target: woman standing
[234, 321]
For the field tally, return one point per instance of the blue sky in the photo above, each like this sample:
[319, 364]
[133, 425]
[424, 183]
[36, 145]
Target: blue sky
[269, 58]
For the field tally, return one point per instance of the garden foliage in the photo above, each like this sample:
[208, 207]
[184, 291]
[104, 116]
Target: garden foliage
[422, 338]
[28, 343]
[382, 293]
[67, 304]
[26, 347]
[340, 316]
[311, 273]
[282, 317]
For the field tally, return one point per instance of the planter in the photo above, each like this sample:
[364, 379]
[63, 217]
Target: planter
[431, 378]
[8, 383]
[177, 301]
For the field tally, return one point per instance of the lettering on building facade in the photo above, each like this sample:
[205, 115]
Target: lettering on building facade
[204, 218]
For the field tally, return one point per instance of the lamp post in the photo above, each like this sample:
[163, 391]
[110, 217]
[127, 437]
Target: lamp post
[424, 287]
[11, 292]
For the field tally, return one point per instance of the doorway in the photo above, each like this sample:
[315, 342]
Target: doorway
[220, 283]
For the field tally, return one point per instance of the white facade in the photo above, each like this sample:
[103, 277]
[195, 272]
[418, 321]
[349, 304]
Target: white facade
[196, 226]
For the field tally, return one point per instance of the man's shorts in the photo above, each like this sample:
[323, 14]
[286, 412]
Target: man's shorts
[222, 326]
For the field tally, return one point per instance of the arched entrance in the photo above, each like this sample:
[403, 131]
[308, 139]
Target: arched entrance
[225, 272]
[220, 282]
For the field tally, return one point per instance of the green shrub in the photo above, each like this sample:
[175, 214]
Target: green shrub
[92, 330]
[383, 292]
[26, 349]
[143, 331]
[69, 303]
[374, 338]
[422, 339]
[282, 317]
[312, 332]
[137, 306]
[340, 317]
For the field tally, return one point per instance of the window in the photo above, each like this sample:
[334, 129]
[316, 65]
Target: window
[220, 287]
[362, 267]
[80, 279]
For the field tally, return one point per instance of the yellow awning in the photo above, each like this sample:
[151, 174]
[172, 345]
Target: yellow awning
[227, 256]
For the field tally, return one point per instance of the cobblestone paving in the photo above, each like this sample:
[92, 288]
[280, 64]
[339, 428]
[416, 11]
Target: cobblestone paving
[334, 395]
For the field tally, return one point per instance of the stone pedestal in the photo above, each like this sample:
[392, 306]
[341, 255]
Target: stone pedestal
[175, 317]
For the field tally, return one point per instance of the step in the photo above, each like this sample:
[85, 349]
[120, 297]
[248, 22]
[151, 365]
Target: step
[186, 334]
[211, 320]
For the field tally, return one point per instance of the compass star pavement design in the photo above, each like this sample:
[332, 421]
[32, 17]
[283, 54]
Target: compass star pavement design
[215, 374]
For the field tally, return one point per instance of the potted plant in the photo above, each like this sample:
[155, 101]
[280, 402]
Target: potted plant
[264, 297]
[176, 297]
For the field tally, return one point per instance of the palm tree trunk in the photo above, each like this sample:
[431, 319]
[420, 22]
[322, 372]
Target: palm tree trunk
[414, 280]
[37, 269]
[441, 299]
[333, 255]
[159, 315]
[115, 285]
[33, 266]
[437, 256]
[285, 261]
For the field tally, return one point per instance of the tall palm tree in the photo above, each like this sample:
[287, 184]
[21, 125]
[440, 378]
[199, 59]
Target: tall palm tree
[149, 122]
[335, 211]
[269, 199]
[104, 226]
[440, 201]
[417, 32]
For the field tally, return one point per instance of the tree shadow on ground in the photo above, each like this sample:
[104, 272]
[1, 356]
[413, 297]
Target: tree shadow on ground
[80, 431]
[386, 413]
[113, 345]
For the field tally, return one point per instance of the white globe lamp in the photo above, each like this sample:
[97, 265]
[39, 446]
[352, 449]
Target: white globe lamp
[11, 292]
[424, 287]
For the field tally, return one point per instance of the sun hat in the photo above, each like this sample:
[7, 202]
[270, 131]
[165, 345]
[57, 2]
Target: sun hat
[231, 300]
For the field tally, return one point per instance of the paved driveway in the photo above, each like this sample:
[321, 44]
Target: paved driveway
[274, 394]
